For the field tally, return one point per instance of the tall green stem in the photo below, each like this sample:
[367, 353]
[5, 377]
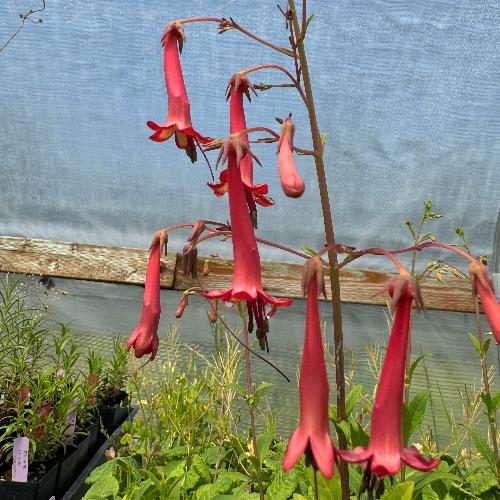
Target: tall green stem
[250, 407]
[330, 240]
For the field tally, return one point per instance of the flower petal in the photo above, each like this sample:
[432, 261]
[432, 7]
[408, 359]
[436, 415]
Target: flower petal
[296, 446]
[410, 456]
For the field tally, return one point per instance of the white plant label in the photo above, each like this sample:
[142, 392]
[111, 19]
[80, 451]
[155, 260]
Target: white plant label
[20, 459]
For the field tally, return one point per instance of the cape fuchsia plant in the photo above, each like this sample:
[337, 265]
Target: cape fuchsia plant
[386, 452]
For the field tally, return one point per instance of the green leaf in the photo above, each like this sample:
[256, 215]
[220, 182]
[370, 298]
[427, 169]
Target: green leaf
[239, 389]
[309, 251]
[475, 342]
[327, 488]
[282, 486]
[103, 488]
[352, 398]
[141, 490]
[414, 414]
[429, 494]
[101, 473]
[358, 435]
[486, 346]
[496, 400]
[332, 412]
[427, 205]
[483, 447]
[402, 491]
[309, 19]
[434, 476]
[262, 387]
[264, 441]
[345, 428]
[202, 468]
[432, 215]
[414, 365]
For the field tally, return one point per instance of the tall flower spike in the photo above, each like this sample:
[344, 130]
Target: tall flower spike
[312, 435]
[178, 120]
[482, 285]
[292, 184]
[385, 451]
[247, 281]
[144, 338]
[238, 86]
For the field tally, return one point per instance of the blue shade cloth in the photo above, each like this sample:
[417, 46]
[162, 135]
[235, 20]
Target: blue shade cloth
[407, 93]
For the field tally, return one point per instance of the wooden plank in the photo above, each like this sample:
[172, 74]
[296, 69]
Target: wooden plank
[128, 266]
[357, 286]
[80, 261]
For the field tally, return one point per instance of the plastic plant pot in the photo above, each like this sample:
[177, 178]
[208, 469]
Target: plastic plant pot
[31, 490]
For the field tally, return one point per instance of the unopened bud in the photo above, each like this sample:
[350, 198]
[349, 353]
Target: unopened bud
[182, 306]
[198, 228]
[213, 315]
[206, 270]
[190, 260]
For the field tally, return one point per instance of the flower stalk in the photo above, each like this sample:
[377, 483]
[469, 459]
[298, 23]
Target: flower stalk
[330, 240]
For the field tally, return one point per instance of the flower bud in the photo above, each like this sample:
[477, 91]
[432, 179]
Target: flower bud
[182, 306]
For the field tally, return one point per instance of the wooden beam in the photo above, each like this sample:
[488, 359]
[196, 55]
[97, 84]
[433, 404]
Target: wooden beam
[128, 266]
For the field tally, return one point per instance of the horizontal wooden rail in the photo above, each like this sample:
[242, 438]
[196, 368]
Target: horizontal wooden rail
[128, 266]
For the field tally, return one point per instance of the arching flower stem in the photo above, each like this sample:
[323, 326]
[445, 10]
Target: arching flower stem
[279, 68]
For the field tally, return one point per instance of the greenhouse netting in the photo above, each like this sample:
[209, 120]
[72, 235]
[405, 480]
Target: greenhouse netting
[386, 113]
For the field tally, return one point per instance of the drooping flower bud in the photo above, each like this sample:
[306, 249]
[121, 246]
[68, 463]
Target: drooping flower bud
[213, 315]
[190, 260]
[160, 238]
[198, 228]
[206, 270]
[292, 184]
[182, 306]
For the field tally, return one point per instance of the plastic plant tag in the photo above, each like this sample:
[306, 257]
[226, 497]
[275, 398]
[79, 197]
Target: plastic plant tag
[71, 421]
[20, 459]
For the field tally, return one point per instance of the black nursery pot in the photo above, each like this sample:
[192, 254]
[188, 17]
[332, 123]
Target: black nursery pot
[92, 431]
[112, 416]
[71, 465]
[32, 490]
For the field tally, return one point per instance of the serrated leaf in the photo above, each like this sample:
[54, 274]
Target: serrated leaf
[352, 398]
[202, 468]
[402, 491]
[103, 488]
[282, 486]
[429, 494]
[108, 469]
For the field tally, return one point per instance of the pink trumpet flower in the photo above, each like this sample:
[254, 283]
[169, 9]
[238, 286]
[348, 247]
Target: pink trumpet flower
[144, 338]
[292, 184]
[255, 193]
[247, 281]
[482, 285]
[385, 451]
[178, 120]
[312, 435]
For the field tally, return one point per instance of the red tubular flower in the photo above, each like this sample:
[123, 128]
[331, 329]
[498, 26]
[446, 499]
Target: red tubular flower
[179, 116]
[247, 282]
[481, 283]
[312, 436]
[385, 452]
[292, 184]
[255, 193]
[144, 338]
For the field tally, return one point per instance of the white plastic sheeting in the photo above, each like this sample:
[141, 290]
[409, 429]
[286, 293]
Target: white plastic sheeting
[407, 93]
